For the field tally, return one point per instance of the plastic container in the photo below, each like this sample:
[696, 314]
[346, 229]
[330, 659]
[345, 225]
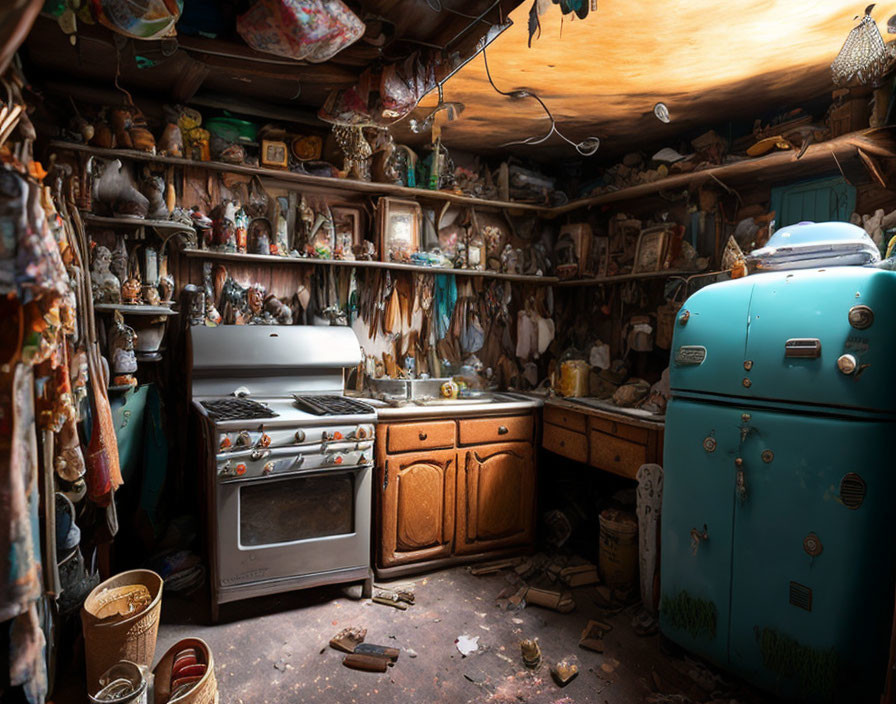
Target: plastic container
[108, 638]
[618, 559]
[808, 245]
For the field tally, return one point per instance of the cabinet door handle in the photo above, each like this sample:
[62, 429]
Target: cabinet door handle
[423, 436]
[617, 458]
[563, 443]
[502, 430]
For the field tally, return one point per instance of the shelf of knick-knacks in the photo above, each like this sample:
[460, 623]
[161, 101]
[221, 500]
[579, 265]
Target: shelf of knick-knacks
[133, 309]
[364, 264]
[122, 222]
[321, 182]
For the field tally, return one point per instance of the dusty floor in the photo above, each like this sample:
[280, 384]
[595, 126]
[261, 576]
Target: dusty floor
[275, 650]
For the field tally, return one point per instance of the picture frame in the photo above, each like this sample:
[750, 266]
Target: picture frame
[581, 235]
[651, 252]
[624, 233]
[399, 228]
[274, 154]
[347, 230]
[598, 257]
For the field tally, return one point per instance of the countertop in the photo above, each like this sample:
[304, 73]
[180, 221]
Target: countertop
[503, 403]
[618, 415]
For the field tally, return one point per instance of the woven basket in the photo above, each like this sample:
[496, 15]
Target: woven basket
[107, 638]
[206, 689]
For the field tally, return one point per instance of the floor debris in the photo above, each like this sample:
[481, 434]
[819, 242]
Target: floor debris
[565, 671]
[348, 638]
[593, 636]
[367, 663]
[382, 651]
[531, 653]
[467, 644]
[555, 599]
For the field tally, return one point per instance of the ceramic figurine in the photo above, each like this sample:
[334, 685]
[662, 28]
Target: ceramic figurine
[153, 189]
[166, 289]
[122, 339]
[119, 263]
[242, 231]
[194, 298]
[280, 244]
[212, 316]
[511, 260]
[278, 311]
[356, 150]
[105, 285]
[150, 295]
[171, 143]
[260, 236]
[224, 227]
[130, 291]
[365, 251]
[255, 300]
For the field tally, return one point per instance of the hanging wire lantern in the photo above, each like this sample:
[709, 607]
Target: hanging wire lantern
[864, 58]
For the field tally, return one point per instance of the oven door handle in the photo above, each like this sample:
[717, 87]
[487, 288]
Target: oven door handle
[311, 472]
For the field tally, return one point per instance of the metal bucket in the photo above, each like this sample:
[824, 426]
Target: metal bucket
[618, 560]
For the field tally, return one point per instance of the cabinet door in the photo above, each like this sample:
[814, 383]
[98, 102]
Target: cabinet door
[495, 497]
[417, 500]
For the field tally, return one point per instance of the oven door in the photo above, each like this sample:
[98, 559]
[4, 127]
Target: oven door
[279, 527]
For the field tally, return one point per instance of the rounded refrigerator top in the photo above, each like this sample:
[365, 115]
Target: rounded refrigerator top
[809, 245]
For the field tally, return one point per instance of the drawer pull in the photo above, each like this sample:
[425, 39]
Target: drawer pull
[617, 458]
[502, 430]
[423, 436]
[563, 443]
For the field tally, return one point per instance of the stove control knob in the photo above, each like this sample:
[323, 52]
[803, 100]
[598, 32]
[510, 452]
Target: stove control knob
[336, 459]
[861, 317]
[361, 432]
[268, 467]
[846, 363]
[300, 436]
[243, 439]
[226, 442]
[225, 470]
[259, 454]
[264, 440]
[240, 469]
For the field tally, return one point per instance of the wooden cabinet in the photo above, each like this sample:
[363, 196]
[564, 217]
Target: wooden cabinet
[418, 499]
[447, 491]
[495, 497]
[607, 441]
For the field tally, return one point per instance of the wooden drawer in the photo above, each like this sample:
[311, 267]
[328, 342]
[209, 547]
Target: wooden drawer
[565, 419]
[565, 442]
[408, 437]
[617, 455]
[621, 430]
[478, 431]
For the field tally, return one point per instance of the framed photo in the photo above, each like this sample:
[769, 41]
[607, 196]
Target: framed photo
[399, 229]
[623, 244]
[274, 154]
[598, 257]
[347, 232]
[651, 251]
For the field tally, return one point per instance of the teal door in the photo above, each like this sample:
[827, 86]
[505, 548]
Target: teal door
[818, 200]
[697, 523]
[813, 557]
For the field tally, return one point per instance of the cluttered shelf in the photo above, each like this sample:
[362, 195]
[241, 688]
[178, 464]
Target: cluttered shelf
[133, 309]
[361, 263]
[121, 222]
[304, 179]
[597, 280]
[778, 166]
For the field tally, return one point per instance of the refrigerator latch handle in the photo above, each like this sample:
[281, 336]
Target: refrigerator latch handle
[698, 537]
[803, 347]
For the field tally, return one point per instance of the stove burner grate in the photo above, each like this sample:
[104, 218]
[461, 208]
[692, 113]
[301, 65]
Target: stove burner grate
[331, 405]
[237, 409]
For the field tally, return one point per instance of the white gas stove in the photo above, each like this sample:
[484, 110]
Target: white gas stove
[290, 458]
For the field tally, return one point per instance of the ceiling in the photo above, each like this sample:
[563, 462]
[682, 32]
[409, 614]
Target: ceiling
[709, 61]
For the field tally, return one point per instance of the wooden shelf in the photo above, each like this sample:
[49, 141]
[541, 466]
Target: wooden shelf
[124, 223]
[771, 168]
[362, 264]
[597, 280]
[320, 182]
[133, 309]
[120, 388]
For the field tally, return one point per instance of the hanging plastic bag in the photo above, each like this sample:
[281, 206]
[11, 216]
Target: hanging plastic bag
[139, 19]
[312, 30]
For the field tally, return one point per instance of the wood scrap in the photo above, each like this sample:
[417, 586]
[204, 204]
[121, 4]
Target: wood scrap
[367, 663]
[579, 575]
[348, 639]
[487, 568]
[557, 600]
[382, 651]
[593, 634]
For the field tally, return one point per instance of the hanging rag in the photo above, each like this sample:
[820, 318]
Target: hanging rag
[445, 299]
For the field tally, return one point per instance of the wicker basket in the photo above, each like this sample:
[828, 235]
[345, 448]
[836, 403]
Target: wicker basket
[108, 639]
[206, 689]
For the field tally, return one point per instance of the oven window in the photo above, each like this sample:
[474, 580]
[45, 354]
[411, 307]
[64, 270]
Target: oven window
[296, 509]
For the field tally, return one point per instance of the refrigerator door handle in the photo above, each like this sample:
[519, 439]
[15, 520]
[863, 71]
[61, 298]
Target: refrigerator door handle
[803, 347]
[698, 537]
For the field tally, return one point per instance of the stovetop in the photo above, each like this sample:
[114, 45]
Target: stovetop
[223, 409]
[280, 412]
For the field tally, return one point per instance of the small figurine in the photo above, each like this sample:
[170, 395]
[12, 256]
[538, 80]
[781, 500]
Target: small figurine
[105, 285]
[130, 291]
[150, 295]
[365, 251]
[153, 189]
[166, 289]
[122, 339]
[255, 301]
[277, 310]
[119, 265]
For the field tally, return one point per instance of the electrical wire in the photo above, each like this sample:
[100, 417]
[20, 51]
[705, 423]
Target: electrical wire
[587, 147]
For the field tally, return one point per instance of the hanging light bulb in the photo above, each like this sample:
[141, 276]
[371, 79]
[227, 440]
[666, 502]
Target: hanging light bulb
[864, 57]
[662, 112]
